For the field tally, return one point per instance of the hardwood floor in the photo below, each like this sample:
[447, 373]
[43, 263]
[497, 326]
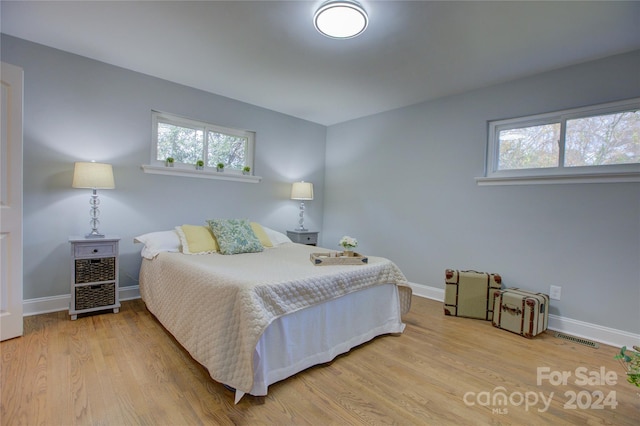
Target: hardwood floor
[121, 369]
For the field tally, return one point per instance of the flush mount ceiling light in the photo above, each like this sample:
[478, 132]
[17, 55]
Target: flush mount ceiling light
[341, 19]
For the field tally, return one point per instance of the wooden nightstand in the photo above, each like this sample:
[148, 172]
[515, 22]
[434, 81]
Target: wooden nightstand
[94, 275]
[309, 238]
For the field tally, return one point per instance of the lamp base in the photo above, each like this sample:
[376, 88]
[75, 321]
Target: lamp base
[301, 220]
[94, 213]
[94, 234]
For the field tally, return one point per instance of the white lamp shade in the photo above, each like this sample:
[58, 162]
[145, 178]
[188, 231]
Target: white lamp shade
[93, 175]
[302, 191]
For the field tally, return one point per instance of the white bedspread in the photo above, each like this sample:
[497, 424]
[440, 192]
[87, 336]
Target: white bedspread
[218, 306]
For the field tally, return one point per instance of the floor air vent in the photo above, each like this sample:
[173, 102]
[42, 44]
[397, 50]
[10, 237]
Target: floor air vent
[576, 340]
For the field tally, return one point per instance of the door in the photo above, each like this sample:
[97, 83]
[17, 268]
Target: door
[11, 202]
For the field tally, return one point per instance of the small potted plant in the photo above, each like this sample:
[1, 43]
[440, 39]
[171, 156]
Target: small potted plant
[246, 170]
[199, 165]
[220, 167]
[169, 162]
[348, 244]
[630, 360]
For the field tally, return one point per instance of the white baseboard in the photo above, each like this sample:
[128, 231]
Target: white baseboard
[428, 292]
[44, 305]
[598, 333]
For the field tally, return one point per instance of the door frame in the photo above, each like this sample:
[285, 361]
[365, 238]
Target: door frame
[11, 257]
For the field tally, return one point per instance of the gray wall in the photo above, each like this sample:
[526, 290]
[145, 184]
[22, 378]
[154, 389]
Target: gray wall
[402, 182]
[77, 109]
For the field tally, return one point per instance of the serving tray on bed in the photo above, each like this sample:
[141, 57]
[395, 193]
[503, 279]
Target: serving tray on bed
[337, 258]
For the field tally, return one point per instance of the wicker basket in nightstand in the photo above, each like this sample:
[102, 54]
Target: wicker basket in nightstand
[92, 270]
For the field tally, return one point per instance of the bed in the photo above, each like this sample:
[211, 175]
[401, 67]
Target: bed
[256, 318]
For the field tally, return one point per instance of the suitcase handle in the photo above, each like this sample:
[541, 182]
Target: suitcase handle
[512, 311]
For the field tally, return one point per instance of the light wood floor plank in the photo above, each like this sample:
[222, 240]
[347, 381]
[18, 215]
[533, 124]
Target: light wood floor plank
[125, 369]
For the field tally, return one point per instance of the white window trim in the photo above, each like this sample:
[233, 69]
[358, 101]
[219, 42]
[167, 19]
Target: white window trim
[588, 174]
[202, 174]
[158, 167]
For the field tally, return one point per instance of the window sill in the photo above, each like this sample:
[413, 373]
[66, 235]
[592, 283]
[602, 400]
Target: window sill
[202, 174]
[560, 179]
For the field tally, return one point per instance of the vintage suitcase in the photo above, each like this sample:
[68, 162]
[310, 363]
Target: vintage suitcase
[521, 311]
[470, 293]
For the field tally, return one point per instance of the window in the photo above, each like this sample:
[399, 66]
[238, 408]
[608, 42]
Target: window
[189, 141]
[594, 141]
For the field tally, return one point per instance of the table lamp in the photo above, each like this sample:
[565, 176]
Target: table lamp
[95, 176]
[302, 191]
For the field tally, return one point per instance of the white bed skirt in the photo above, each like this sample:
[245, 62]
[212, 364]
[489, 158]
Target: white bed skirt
[319, 333]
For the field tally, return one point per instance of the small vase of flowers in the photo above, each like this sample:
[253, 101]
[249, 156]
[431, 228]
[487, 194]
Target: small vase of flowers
[348, 244]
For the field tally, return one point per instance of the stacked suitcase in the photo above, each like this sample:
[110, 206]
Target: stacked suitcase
[470, 294]
[479, 295]
[521, 311]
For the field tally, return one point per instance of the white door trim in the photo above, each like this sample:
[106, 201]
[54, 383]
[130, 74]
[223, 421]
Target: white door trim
[12, 84]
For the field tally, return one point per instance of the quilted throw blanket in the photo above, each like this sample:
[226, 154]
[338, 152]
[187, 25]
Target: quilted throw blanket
[218, 306]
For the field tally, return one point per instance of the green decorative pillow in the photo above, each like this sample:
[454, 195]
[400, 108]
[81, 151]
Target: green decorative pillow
[235, 236]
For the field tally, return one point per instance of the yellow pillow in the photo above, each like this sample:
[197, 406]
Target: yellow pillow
[262, 236]
[197, 239]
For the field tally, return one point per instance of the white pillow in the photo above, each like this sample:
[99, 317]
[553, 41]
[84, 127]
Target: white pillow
[276, 237]
[156, 242]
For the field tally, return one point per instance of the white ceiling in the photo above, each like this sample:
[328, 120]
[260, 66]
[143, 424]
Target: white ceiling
[267, 53]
